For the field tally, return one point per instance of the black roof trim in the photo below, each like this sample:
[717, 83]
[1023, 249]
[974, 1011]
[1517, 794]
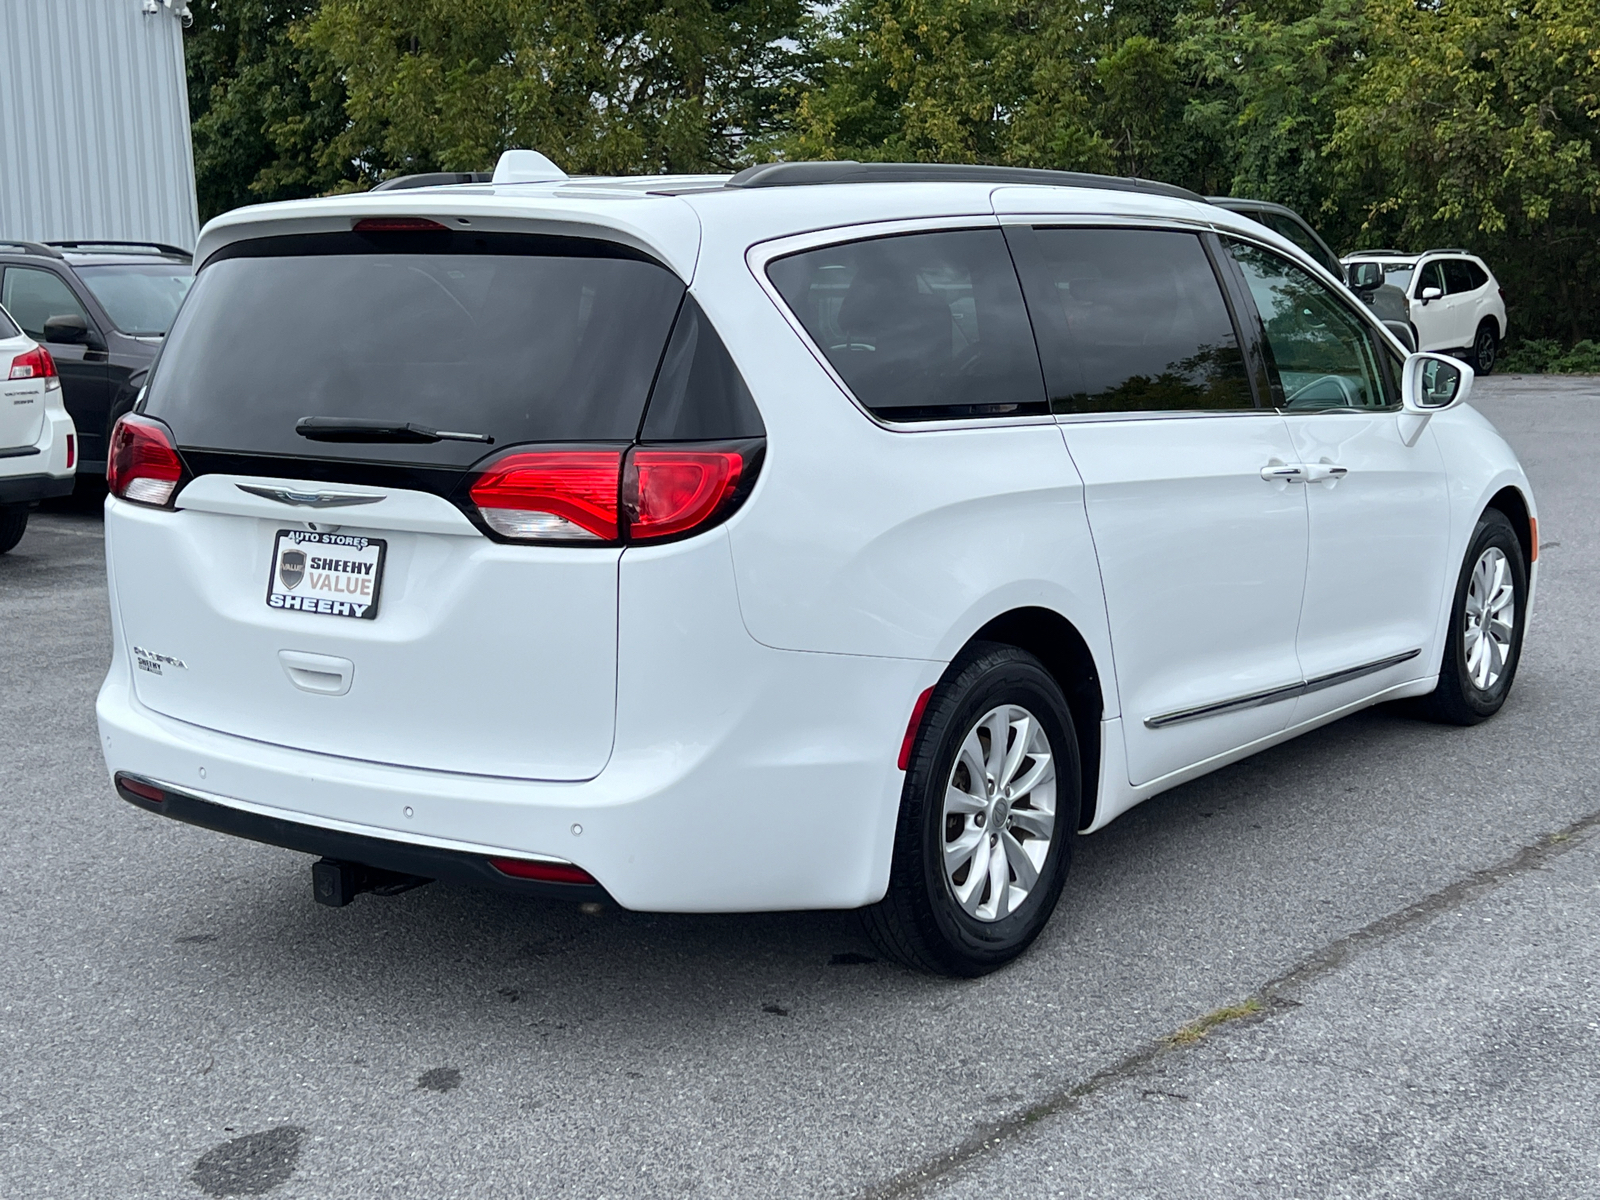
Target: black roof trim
[40, 248]
[433, 179]
[801, 174]
[104, 244]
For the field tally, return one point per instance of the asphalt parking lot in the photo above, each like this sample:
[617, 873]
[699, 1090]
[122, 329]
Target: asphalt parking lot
[1363, 964]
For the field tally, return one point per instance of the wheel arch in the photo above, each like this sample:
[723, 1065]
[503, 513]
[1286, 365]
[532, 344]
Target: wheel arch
[1514, 505]
[1057, 643]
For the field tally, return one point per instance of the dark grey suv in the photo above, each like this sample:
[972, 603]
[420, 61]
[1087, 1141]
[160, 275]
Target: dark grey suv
[103, 309]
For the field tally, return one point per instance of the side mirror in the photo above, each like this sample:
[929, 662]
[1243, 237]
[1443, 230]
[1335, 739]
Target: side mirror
[1366, 276]
[1431, 293]
[70, 329]
[1430, 383]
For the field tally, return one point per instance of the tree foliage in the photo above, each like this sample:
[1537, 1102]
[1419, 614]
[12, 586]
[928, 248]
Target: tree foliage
[1397, 122]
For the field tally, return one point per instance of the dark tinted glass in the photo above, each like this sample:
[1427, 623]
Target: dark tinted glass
[1432, 275]
[139, 298]
[557, 344]
[1130, 320]
[1301, 236]
[699, 394]
[1477, 274]
[7, 328]
[33, 296]
[922, 327]
[1458, 276]
[1321, 354]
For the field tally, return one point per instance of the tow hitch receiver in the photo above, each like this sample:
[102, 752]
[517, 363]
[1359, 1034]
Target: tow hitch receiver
[337, 883]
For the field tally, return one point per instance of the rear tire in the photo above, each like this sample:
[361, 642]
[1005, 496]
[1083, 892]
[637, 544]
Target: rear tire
[13, 523]
[970, 886]
[1485, 348]
[1482, 647]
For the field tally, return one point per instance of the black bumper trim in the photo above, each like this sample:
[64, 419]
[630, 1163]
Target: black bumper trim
[407, 858]
[24, 489]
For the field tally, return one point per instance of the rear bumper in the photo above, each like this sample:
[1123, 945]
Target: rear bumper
[742, 779]
[430, 862]
[29, 489]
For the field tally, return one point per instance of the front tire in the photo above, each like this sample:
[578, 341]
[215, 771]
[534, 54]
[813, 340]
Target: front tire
[13, 524]
[988, 814]
[1485, 348]
[1484, 642]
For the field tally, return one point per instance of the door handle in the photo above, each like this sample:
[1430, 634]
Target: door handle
[1283, 473]
[1324, 472]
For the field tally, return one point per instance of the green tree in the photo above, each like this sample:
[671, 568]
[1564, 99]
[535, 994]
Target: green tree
[259, 116]
[601, 86]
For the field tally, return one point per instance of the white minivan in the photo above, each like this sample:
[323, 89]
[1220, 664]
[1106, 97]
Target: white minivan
[827, 536]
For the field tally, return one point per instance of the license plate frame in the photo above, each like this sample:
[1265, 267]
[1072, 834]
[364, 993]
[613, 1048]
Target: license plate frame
[347, 562]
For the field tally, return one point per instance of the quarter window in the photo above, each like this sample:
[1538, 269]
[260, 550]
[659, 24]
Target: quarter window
[1320, 353]
[33, 297]
[1130, 320]
[923, 326]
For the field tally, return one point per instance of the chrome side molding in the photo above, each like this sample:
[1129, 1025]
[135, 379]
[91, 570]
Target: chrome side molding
[1273, 695]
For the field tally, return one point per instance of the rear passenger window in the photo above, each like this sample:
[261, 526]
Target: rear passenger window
[1130, 320]
[923, 326]
[1458, 277]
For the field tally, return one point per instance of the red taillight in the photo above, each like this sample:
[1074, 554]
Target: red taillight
[35, 364]
[560, 495]
[671, 491]
[143, 465]
[399, 225]
[912, 726]
[72, 451]
[544, 872]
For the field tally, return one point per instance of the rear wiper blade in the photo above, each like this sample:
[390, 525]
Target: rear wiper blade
[363, 429]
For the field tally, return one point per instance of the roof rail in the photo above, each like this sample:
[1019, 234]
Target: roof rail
[32, 247]
[799, 174]
[1382, 250]
[431, 179]
[1447, 250]
[103, 243]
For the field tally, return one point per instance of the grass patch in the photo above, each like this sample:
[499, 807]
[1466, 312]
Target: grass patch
[1197, 1029]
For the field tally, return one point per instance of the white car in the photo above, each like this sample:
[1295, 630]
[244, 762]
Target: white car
[1456, 304]
[827, 536]
[38, 445]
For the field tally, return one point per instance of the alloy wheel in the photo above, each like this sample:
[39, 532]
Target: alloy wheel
[1484, 351]
[999, 813]
[1489, 619]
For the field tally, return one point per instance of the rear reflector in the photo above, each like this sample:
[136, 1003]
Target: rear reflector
[1533, 539]
[35, 364]
[72, 451]
[145, 791]
[142, 465]
[543, 872]
[912, 726]
[671, 491]
[399, 225]
[551, 495]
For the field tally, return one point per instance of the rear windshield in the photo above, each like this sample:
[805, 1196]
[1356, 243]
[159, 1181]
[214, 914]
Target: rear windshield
[518, 338]
[140, 298]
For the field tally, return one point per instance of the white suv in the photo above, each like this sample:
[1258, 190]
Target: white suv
[827, 536]
[38, 445]
[1456, 304]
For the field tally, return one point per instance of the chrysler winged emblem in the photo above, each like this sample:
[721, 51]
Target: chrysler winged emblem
[292, 568]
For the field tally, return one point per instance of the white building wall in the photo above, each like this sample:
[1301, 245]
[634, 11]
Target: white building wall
[94, 122]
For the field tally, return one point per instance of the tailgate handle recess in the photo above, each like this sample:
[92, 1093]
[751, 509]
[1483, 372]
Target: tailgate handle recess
[320, 673]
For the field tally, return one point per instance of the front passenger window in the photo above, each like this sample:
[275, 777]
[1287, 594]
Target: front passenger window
[1320, 353]
[33, 296]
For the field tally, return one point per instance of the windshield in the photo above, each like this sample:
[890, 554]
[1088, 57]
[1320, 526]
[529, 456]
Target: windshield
[140, 298]
[518, 338]
[1398, 274]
